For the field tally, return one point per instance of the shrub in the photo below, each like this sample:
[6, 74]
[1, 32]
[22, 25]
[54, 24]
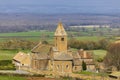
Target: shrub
[6, 65]
[100, 59]
[84, 67]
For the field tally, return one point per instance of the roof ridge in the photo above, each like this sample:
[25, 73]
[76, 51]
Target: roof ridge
[36, 46]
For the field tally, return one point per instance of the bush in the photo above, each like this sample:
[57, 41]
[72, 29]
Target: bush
[88, 45]
[100, 60]
[5, 62]
[6, 65]
[84, 67]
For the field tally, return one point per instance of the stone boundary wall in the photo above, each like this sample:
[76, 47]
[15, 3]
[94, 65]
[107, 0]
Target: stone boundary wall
[73, 75]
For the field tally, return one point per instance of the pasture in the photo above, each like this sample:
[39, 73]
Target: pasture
[45, 35]
[99, 54]
[9, 54]
[5, 77]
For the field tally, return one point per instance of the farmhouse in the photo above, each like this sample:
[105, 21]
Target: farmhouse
[58, 58]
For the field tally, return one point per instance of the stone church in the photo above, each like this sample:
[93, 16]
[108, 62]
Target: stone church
[59, 58]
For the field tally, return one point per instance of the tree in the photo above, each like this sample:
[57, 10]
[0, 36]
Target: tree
[44, 42]
[84, 66]
[104, 43]
[113, 56]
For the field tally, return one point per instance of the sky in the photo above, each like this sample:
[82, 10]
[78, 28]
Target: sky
[59, 6]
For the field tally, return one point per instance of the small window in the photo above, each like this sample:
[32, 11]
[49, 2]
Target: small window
[62, 39]
[67, 67]
[57, 66]
[75, 68]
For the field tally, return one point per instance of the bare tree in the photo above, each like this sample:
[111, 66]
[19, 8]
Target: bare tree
[113, 56]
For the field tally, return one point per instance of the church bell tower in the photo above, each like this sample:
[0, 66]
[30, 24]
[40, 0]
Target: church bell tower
[60, 38]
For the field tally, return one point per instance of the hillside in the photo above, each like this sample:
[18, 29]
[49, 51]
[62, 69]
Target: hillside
[26, 22]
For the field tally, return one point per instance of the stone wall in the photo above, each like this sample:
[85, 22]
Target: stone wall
[62, 66]
[77, 68]
[39, 64]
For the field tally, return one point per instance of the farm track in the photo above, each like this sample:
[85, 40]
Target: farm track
[39, 78]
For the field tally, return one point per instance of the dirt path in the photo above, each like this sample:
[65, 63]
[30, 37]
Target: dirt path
[39, 78]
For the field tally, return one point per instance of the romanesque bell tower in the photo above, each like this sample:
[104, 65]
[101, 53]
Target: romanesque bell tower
[60, 38]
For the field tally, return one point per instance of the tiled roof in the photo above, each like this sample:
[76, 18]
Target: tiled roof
[41, 48]
[23, 58]
[85, 54]
[54, 49]
[60, 31]
[78, 62]
[76, 55]
[63, 56]
[40, 56]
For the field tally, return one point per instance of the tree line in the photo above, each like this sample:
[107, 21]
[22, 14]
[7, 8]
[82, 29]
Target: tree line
[17, 44]
[89, 45]
[73, 43]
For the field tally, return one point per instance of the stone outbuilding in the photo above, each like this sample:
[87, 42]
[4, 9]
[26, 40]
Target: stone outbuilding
[21, 59]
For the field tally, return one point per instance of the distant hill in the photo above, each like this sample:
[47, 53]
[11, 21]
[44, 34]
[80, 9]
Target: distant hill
[60, 6]
[26, 22]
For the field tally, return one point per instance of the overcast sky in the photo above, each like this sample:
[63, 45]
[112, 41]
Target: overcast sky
[60, 6]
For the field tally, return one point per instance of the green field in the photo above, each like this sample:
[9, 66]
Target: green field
[44, 35]
[90, 38]
[99, 54]
[9, 54]
[29, 33]
[11, 78]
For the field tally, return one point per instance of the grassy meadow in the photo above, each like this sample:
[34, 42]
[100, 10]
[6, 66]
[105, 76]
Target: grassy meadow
[43, 35]
[2, 77]
[9, 54]
[99, 54]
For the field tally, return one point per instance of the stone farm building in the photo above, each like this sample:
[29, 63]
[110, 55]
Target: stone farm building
[58, 58]
[21, 59]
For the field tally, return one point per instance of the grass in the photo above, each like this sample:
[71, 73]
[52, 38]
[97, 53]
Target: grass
[9, 54]
[92, 73]
[99, 54]
[85, 72]
[90, 38]
[2, 77]
[46, 35]
[29, 33]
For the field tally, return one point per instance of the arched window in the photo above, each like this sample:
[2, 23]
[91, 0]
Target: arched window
[57, 66]
[56, 42]
[67, 67]
[62, 39]
[75, 68]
